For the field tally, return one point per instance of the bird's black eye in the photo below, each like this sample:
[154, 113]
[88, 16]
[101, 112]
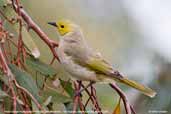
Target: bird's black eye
[62, 26]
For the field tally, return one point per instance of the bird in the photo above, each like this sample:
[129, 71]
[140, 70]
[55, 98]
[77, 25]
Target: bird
[85, 64]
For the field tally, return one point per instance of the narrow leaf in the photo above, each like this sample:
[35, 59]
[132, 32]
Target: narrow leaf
[25, 80]
[34, 108]
[30, 44]
[41, 67]
[67, 86]
[55, 97]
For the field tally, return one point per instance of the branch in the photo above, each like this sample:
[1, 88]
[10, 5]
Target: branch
[28, 93]
[32, 25]
[123, 96]
[93, 98]
[82, 108]
[77, 99]
[5, 67]
[20, 41]
[8, 72]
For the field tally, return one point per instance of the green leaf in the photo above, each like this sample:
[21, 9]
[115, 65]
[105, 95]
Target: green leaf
[41, 67]
[55, 97]
[34, 108]
[67, 87]
[30, 44]
[25, 80]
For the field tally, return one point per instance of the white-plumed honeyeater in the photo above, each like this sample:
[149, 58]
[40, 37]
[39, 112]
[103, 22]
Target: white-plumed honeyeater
[82, 63]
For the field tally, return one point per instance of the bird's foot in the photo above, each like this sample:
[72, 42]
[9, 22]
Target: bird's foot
[78, 93]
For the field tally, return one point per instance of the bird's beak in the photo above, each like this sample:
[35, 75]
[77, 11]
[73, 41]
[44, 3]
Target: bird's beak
[53, 24]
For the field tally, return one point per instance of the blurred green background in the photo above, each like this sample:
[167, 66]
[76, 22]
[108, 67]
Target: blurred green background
[132, 35]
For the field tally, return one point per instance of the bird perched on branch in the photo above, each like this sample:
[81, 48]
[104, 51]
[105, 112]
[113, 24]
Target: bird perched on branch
[82, 63]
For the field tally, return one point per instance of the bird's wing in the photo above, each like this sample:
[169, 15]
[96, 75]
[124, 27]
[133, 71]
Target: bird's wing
[98, 64]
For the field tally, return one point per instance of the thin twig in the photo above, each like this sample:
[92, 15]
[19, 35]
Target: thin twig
[13, 96]
[87, 101]
[8, 72]
[132, 109]
[32, 25]
[93, 98]
[53, 59]
[82, 108]
[123, 96]
[76, 97]
[93, 93]
[28, 93]
[4, 52]
[20, 41]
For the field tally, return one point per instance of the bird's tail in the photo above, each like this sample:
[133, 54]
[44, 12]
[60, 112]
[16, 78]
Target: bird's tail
[145, 90]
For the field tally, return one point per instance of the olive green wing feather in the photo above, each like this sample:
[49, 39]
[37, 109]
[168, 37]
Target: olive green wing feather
[101, 66]
[98, 64]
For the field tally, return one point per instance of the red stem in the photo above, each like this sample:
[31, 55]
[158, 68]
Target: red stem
[75, 105]
[123, 96]
[32, 25]
[93, 98]
[7, 71]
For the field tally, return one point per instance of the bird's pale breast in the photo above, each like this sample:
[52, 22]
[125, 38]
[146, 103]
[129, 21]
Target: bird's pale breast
[75, 70]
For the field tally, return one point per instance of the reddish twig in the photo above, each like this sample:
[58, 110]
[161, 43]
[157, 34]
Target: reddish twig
[132, 109]
[4, 52]
[32, 25]
[87, 101]
[8, 72]
[25, 99]
[14, 97]
[52, 61]
[123, 97]
[29, 94]
[20, 41]
[93, 98]
[5, 67]
[76, 98]
[93, 93]
[82, 108]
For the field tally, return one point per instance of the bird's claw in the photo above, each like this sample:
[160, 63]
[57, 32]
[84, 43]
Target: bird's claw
[78, 93]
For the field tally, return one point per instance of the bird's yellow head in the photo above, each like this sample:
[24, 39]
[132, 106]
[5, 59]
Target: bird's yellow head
[63, 26]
